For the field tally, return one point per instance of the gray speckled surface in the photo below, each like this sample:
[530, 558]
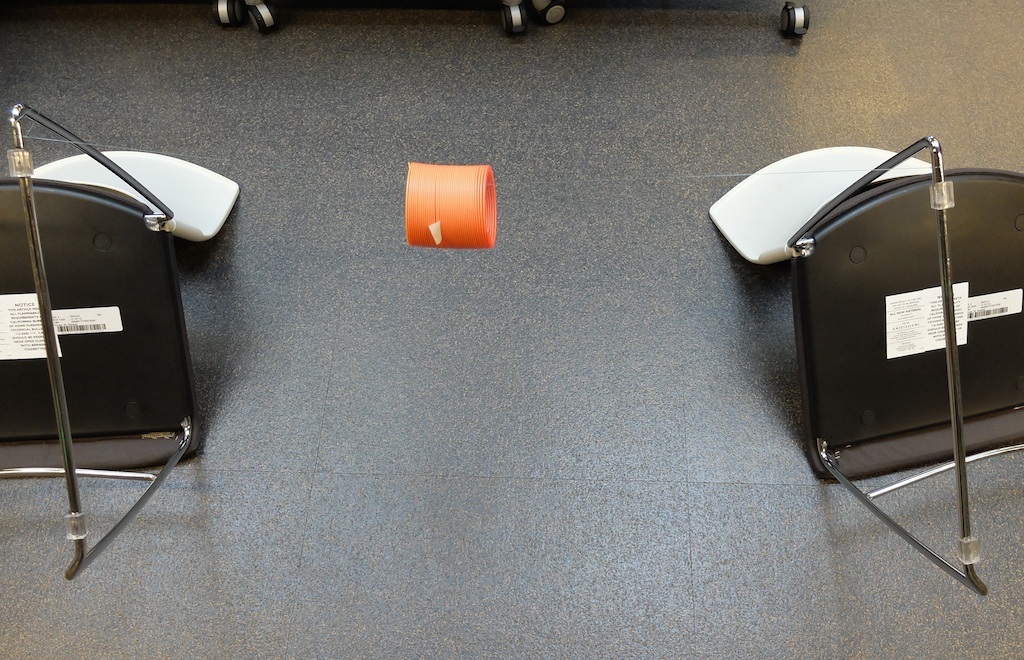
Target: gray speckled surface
[584, 443]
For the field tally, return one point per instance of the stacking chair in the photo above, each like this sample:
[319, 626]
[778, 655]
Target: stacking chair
[908, 315]
[94, 358]
[910, 331]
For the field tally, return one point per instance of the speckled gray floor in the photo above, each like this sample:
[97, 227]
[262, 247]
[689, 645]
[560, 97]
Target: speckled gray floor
[584, 443]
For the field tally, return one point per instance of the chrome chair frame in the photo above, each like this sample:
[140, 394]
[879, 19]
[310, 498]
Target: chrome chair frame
[968, 546]
[20, 162]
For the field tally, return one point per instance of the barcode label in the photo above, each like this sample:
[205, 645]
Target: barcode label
[66, 329]
[21, 332]
[87, 320]
[982, 313]
[993, 305]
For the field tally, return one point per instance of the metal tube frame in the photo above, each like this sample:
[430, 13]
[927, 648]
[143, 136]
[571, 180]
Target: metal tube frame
[75, 518]
[968, 546]
[36, 473]
[22, 111]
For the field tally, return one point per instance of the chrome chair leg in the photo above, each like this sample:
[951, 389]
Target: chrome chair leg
[966, 575]
[35, 473]
[968, 547]
[20, 164]
[85, 556]
[75, 521]
[939, 469]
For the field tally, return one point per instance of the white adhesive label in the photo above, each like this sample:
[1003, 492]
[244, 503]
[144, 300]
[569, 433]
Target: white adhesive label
[913, 321]
[21, 332]
[993, 305]
[87, 320]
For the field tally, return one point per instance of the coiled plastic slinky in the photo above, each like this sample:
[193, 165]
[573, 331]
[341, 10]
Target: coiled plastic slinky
[450, 206]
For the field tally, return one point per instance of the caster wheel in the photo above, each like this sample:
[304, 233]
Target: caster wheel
[262, 16]
[229, 13]
[533, 7]
[795, 20]
[514, 19]
[548, 12]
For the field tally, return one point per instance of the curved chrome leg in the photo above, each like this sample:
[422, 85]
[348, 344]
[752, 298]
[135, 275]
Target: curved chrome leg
[82, 557]
[966, 576]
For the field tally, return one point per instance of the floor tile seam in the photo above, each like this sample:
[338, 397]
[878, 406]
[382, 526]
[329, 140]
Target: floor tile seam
[325, 402]
[193, 466]
[676, 179]
[504, 178]
[689, 569]
[290, 472]
[315, 473]
[304, 532]
[764, 484]
[306, 527]
[493, 477]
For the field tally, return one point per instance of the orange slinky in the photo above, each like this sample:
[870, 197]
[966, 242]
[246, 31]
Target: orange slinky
[450, 206]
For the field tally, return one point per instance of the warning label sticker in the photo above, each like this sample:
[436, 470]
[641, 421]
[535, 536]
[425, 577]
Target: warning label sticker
[21, 331]
[914, 324]
[913, 321]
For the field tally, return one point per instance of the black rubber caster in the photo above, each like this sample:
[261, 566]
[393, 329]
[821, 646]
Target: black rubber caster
[262, 16]
[795, 20]
[514, 19]
[548, 12]
[229, 13]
